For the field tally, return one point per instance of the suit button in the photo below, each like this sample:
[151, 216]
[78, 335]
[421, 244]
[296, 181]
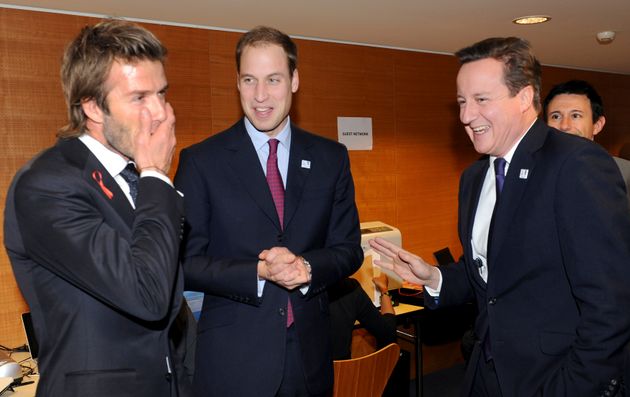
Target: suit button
[607, 393]
[280, 236]
[613, 382]
[168, 377]
[281, 311]
[492, 301]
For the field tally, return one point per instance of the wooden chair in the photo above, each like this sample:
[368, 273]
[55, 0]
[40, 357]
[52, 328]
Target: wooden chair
[365, 376]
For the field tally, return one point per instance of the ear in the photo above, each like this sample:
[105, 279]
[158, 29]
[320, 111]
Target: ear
[526, 96]
[238, 81]
[92, 110]
[295, 81]
[599, 125]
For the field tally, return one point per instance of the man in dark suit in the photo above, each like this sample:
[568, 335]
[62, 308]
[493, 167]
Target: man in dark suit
[93, 247]
[271, 209]
[548, 264]
[576, 108]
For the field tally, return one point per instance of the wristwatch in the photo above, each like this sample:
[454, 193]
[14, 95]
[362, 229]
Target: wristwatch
[308, 268]
[386, 293]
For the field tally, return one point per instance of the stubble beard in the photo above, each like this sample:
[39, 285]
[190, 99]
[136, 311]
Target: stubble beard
[118, 137]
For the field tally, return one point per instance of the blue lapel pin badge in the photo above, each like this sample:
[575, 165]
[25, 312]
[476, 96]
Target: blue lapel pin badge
[306, 164]
[524, 173]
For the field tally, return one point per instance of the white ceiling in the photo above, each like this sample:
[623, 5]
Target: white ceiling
[442, 26]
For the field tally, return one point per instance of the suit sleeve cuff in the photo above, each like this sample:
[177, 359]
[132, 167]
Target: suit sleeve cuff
[155, 174]
[435, 292]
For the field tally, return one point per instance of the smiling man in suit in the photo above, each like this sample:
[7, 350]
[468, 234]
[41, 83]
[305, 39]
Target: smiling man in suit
[576, 108]
[544, 227]
[272, 206]
[94, 246]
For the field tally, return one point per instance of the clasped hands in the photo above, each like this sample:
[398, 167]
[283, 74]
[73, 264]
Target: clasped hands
[408, 266]
[281, 266]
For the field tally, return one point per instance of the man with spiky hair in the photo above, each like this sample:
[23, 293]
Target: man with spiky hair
[93, 225]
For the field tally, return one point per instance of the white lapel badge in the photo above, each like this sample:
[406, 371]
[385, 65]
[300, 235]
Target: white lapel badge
[306, 164]
[524, 173]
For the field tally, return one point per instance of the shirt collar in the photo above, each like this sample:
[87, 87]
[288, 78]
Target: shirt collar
[259, 139]
[112, 161]
[508, 156]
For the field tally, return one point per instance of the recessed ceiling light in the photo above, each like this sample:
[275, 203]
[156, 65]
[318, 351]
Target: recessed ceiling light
[531, 19]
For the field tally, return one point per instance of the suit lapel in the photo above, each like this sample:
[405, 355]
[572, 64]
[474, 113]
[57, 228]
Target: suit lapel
[300, 162]
[97, 177]
[242, 158]
[518, 175]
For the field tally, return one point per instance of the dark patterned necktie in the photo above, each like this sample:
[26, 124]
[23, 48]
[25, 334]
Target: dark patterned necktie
[275, 180]
[277, 192]
[131, 176]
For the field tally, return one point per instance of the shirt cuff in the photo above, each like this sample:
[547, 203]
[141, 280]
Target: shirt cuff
[156, 174]
[435, 292]
[261, 287]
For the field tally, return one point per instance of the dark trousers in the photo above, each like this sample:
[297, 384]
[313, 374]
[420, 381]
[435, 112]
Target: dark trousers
[481, 377]
[293, 380]
[485, 381]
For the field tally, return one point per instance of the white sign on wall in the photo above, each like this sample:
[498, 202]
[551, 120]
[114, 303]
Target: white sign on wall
[355, 132]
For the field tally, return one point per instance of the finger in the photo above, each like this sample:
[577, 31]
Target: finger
[287, 259]
[404, 257]
[387, 244]
[284, 277]
[408, 257]
[383, 264]
[296, 281]
[263, 254]
[270, 254]
[165, 127]
[382, 249]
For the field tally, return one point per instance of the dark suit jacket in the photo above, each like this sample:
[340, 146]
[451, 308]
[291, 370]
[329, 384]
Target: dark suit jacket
[103, 283]
[232, 218]
[624, 167]
[557, 298]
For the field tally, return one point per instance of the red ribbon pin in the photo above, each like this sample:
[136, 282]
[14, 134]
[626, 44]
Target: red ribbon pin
[98, 177]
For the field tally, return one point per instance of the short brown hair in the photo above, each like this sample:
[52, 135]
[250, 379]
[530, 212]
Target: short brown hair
[521, 68]
[264, 35]
[88, 60]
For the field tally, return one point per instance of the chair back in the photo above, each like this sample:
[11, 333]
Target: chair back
[365, 376]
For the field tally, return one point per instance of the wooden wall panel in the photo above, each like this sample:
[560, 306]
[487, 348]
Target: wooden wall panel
[409, 179]
[32, 109]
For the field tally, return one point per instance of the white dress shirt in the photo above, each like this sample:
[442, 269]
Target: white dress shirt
[483, 216]
[114, 163]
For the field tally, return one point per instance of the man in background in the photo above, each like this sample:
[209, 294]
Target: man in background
[94, 246]
[272, 223]
[544, 227]
[350, 303]
[576, 107]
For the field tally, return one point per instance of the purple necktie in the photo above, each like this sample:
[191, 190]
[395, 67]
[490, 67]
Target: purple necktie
[499, 172]
[277, 192]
